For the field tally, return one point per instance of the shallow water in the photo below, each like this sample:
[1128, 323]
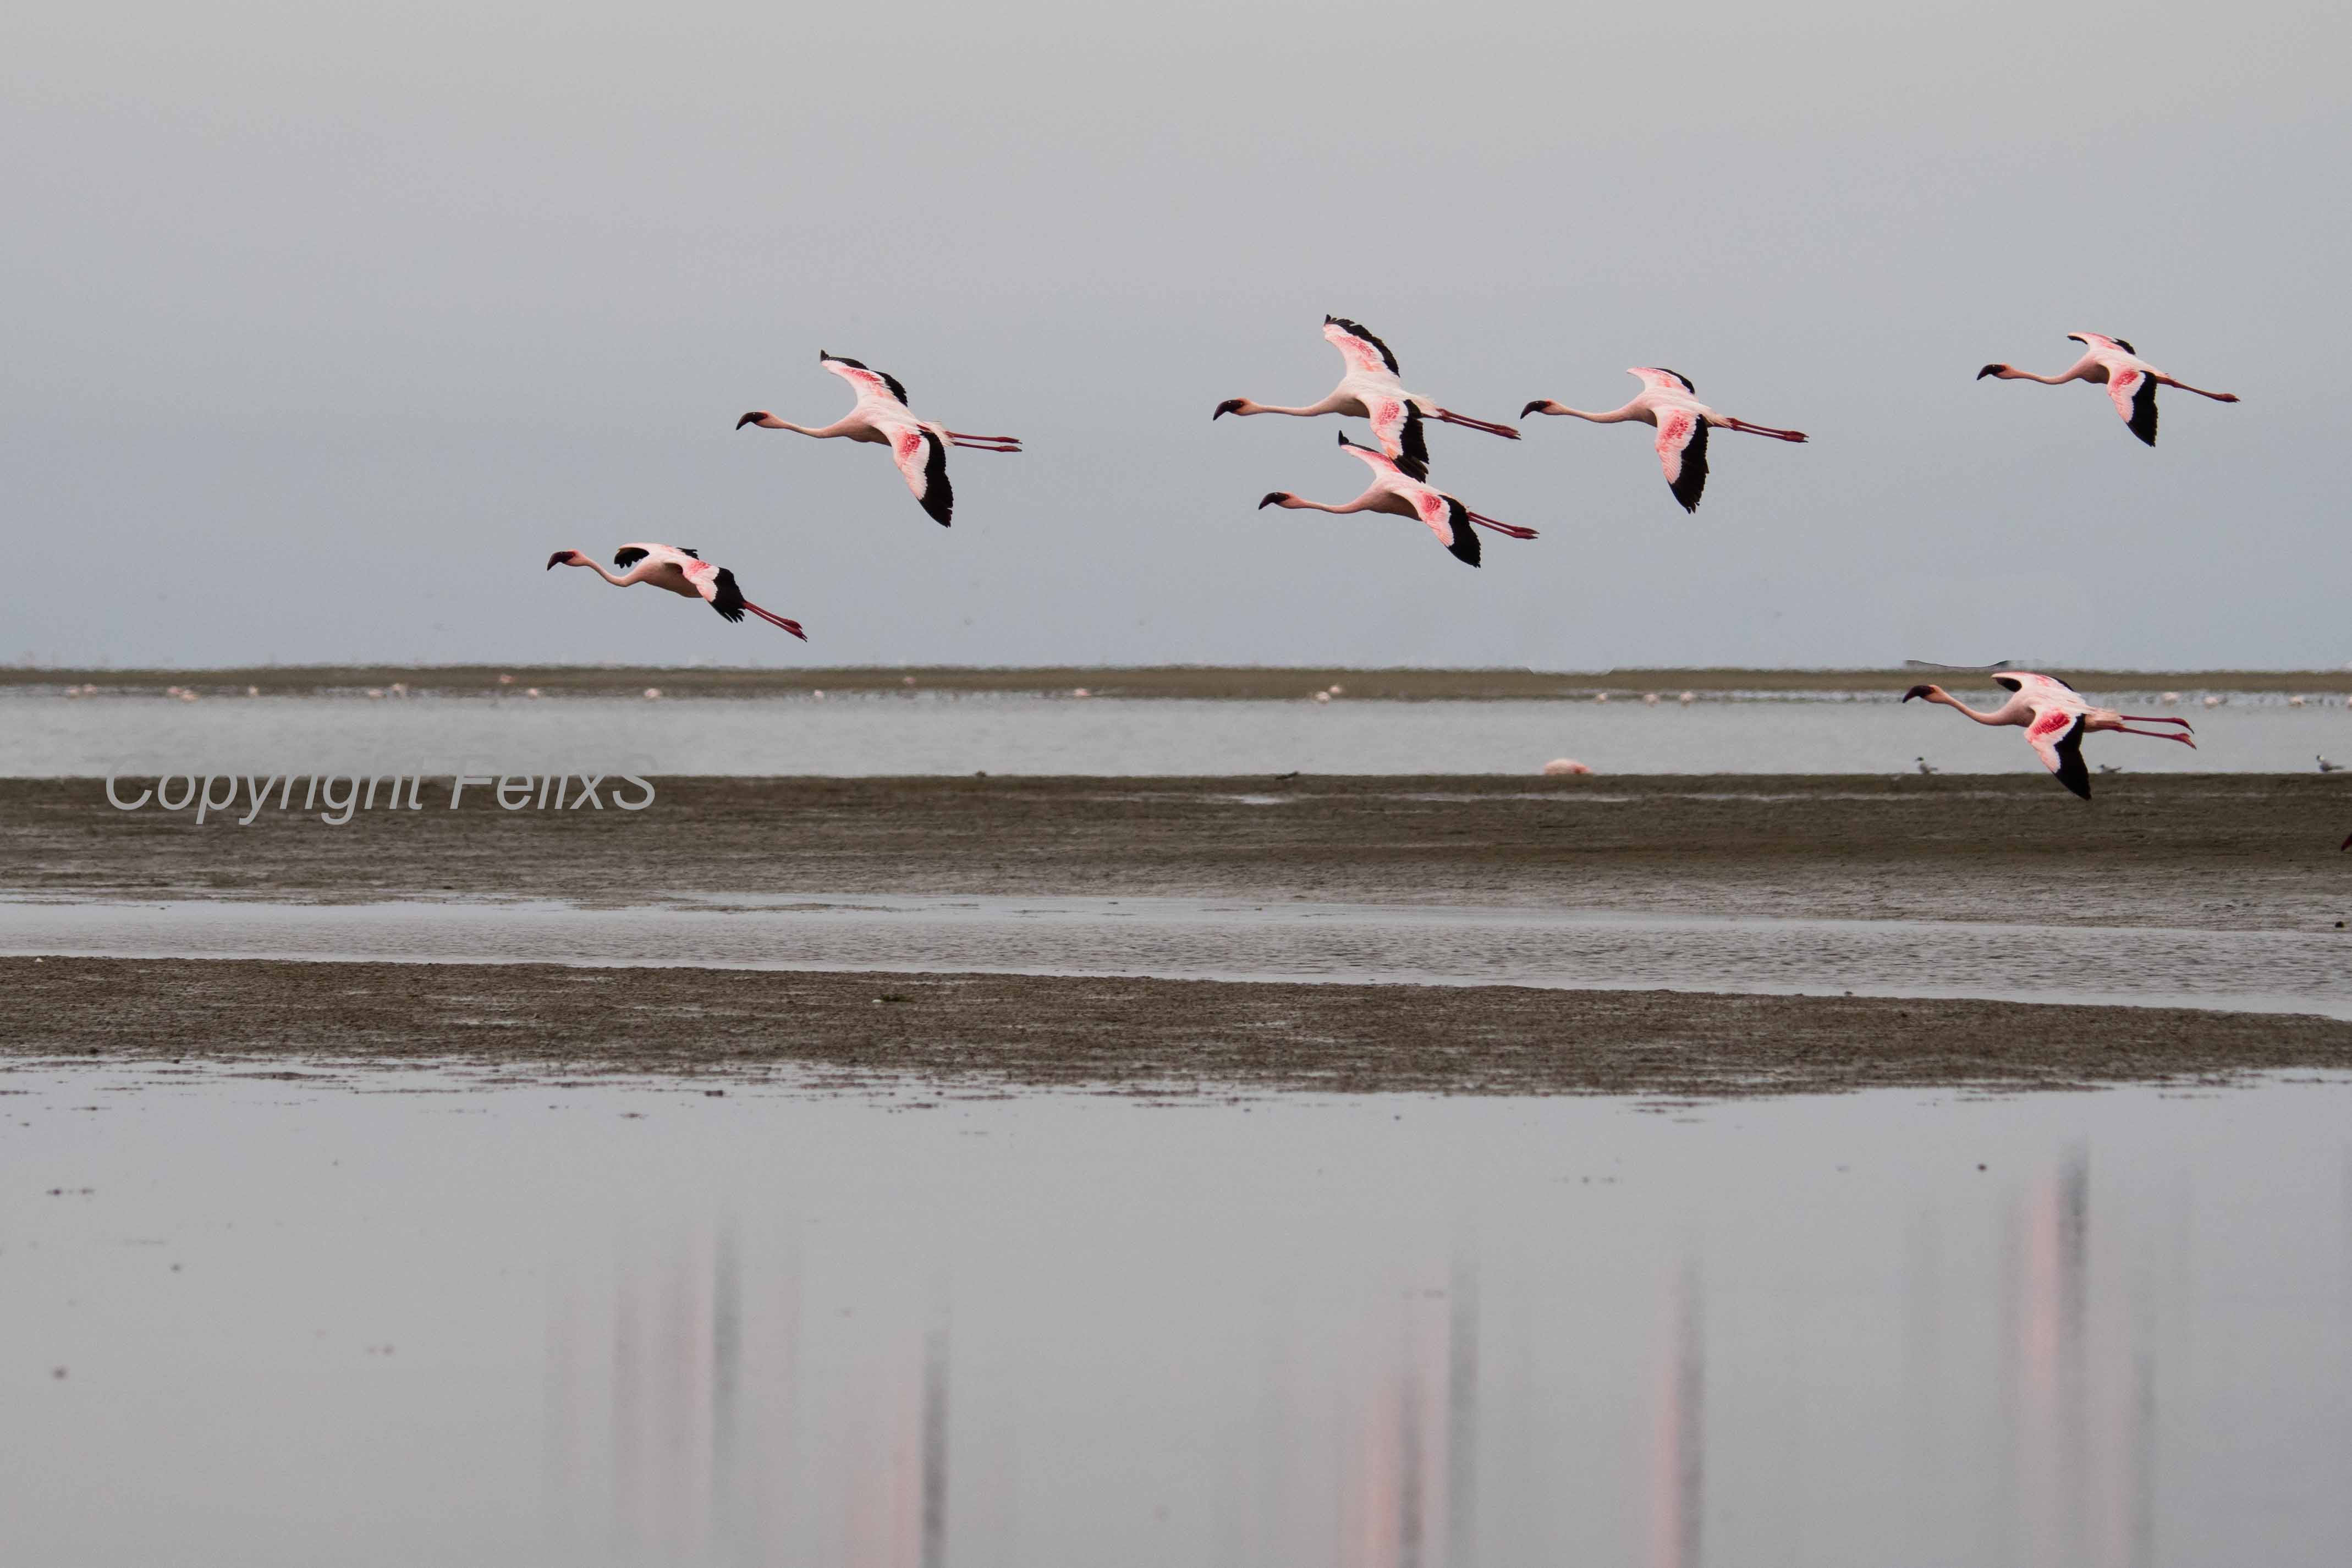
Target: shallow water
[259, 1319]
[44, 735]
[1184, 938]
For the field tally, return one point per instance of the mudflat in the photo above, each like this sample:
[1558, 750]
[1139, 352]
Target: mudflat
[978, 1032]
[2234, 851]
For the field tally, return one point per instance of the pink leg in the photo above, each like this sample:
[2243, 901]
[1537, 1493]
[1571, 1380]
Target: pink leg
[772, 619]
[1766, 430]
[1513, 530]
[2157, 718]
[2186, 740]
[2200, 391]
[1504, 431]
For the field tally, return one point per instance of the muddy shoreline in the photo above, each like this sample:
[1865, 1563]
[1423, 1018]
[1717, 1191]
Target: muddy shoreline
[982, 1032]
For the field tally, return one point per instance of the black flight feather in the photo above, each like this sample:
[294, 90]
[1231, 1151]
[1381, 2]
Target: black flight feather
[898, 387]
[2009, 683]
[2071, 771]
[1415, 461]
[2124, 344]
[1692, 479]
[729, 599]
[695, 553]
[625, 559]
[1357, 328]
[1682, 378]
[1464, 546]
[2143, 415]
[939, 495]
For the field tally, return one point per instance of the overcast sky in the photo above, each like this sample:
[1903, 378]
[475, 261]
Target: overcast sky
[326, 324]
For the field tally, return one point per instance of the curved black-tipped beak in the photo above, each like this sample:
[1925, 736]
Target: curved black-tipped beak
[1535, 407]
[749, 418]
[557, 558]
[822, 355]
[1274, 498]
[1991, 371]
[1231, 406]
[1917, 692]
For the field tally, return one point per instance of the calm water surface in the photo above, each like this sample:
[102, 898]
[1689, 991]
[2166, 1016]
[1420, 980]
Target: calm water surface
[260, 1319]
[45, 735]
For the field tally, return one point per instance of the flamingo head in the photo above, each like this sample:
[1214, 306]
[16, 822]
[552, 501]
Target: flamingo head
[566, 558]
[1540, 405]
[757, 416]
[1275, 498]
[1992, 370]
[1929, 692]
[1231, 406]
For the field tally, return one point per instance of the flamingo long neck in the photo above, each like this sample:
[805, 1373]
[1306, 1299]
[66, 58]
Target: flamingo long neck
[2071, 372]
[1329, 405]
[1996, 717]
[598, 568]
[1613, 416]
[1300, 503]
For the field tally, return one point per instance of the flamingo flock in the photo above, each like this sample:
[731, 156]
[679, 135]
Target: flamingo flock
[1371, 388]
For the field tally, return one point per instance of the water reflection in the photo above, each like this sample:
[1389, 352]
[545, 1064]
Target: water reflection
[641, 1327]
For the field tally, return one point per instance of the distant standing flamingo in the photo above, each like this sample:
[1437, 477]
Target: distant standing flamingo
[1370, 388]
[1400, 495]
[2131, 382]
[2055, 718]
[680, 571]
[919, 446]
[1668, 401]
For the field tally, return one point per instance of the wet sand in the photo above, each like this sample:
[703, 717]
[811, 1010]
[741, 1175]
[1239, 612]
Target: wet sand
[1192, 681]
[980, 1032]
[2232, 851]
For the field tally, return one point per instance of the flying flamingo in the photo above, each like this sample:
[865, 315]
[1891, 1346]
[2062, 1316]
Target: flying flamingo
[1370, 389]
[1668, 401]
[1401, 495]
[2131, 382]
[918, 446]
[681, 571]
[2055, 718]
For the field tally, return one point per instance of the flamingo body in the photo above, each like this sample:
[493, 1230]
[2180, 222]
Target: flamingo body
[1669, 403]
[1397, 493]
[1371, 388]
[880, 416]
[678, 571]
[2055, 718]
[2112, 362]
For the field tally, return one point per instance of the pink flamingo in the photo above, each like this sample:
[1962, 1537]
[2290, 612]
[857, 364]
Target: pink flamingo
[2131, 382]
[1369, 388]
[2055, 718]
[917, 446]
[1401, 495]
[680, 571]
[1668, 401]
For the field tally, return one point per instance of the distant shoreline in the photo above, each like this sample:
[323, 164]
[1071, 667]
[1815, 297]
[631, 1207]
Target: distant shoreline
[1247, 683]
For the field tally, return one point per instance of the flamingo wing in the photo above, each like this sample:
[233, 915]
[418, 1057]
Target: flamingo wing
[1365, 354]
[923, 460]
[1448, 519]
[1397, 424]
[2133, 391]
[1682, 452]
[2056, 737]
[870, 385]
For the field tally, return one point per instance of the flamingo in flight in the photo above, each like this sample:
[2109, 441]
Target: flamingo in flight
[919, 446]
[681, 571]
[1369, 388]
[2055, 718]
[1402, 495]
[2131, 382]
[1668, 401]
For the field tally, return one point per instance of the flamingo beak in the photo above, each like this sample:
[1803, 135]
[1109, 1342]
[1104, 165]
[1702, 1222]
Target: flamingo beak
[1231, 406]
[750, 417]
[1274, 497]
[1991, 371]
[1917, 692]
[557, 558]
[1535, 407]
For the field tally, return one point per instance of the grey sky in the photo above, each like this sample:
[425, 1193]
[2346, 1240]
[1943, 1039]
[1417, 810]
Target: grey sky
[327, 323]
